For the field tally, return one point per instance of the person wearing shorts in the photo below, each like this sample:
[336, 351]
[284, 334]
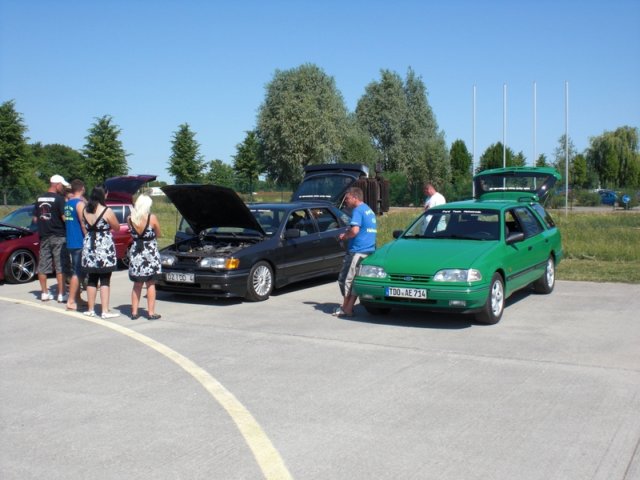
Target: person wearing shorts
[361, 238]
[49, 216]
[75, 235]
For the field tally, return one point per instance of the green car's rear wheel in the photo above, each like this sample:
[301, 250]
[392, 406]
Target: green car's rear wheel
[546, 282]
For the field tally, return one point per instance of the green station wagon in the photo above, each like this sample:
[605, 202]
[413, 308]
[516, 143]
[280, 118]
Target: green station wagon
[469, 256]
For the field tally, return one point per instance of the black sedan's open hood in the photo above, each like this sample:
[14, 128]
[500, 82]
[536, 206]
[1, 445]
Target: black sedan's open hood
[207, 206]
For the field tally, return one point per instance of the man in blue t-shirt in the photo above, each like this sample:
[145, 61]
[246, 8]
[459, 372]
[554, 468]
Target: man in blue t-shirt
[75, 236]
[361, 238]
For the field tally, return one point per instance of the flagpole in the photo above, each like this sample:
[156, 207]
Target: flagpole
[566, 147]
[535, 124]
[504, 126]
[473, 159]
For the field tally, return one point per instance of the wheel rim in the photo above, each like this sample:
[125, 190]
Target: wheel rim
[23, 267]
[497, 298]
[551, 272]
[261, 280]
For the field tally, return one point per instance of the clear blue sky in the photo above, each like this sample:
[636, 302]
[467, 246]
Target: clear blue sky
[153, 65]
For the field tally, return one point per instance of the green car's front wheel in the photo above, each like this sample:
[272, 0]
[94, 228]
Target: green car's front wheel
[491, 313]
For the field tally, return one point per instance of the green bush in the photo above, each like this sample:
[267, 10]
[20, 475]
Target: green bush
[585, 198]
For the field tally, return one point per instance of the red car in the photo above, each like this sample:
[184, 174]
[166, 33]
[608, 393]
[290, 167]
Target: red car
[20, 242]
[19, 246]
[120, 192]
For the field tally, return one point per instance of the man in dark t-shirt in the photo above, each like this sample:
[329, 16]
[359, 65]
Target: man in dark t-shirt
[49, 215]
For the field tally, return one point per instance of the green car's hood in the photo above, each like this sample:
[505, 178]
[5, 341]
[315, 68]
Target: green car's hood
[427, 256]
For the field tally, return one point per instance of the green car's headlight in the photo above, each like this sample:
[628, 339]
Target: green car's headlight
[457, 275]
[372, 271]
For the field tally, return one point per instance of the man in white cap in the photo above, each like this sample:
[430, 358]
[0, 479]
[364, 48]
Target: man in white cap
[49, 215]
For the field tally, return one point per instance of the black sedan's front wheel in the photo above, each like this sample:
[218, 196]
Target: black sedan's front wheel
[491, 313]
[260, 282]
[20, 267]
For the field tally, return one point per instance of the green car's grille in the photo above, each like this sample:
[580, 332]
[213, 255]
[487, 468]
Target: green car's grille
[412, 279]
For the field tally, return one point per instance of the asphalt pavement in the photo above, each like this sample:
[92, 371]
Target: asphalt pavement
[226, 389]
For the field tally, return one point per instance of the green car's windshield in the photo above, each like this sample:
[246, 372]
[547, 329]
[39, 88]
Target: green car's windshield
[463, 224]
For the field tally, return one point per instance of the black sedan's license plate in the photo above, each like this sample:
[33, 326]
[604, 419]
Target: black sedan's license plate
[180, 277]
[402, 292]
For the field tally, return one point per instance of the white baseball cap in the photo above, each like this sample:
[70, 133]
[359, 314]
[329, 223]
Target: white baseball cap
[59, 179]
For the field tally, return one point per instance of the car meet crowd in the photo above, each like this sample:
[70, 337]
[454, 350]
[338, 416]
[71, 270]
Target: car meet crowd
[464, 257]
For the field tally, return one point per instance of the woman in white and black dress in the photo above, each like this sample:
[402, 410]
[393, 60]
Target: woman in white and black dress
[98, 250]
[144, 258]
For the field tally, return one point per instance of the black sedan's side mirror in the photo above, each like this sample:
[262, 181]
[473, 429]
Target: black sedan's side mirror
[291, 233]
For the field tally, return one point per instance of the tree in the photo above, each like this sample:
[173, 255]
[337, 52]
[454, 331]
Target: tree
[220, 173]
[14, 169]
[560, 156]
[57, 159]
[461, 161]
[186, 163]
[615, 157]
[104, 153]
[494, 155]
[403, 129]
[461, 172]
[420, 135]
[357, 146]
[246, 163]
[578, 174]
[381, 112]
[519, 160]
[301, 122]
[542, 161]
[433, 165]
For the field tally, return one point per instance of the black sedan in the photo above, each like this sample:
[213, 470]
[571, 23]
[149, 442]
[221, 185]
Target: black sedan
[226, 248]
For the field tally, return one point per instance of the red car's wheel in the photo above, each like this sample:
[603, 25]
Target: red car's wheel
[20, 267]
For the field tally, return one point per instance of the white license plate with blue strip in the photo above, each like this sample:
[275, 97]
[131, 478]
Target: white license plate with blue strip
[402, 292]
[180, 277]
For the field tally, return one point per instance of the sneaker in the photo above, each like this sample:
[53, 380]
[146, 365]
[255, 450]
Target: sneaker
[45, 297]
[63, 298]
[107, 315]
[89, 313]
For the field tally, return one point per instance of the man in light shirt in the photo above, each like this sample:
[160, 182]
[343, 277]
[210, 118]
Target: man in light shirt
[433, 197]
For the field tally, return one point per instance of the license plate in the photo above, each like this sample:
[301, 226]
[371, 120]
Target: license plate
[419, 293]
[180, 277]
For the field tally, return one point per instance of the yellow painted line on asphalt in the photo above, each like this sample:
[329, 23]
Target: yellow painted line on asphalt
[268, 458]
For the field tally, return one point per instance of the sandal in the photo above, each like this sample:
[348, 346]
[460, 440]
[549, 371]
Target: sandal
[155, 316]
[338, 312]
[135, 316]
